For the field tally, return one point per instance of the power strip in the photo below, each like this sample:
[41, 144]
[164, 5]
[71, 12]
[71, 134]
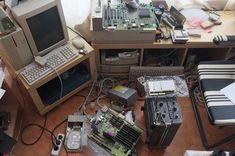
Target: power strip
[59, 142]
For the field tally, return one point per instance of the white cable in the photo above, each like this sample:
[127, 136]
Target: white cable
[61, 82]
[85, 102]
[100, 97]
[102, 85]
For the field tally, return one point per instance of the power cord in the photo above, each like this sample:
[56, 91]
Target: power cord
[42, 127]
[60, 79]
[33, 125]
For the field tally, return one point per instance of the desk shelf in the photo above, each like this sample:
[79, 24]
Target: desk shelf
[150, 54]
[203, 47]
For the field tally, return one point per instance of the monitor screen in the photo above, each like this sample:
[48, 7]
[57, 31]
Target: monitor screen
[46, 28]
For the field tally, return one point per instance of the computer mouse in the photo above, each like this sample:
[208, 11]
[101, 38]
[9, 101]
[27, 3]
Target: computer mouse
[78, 43]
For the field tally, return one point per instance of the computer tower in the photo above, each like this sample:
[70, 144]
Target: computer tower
[162, 118]
[15, 49]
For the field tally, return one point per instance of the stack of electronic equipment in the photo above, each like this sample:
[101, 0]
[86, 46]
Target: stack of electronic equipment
[175, 20]
[118, 62]
[115, 22]
[161, 112]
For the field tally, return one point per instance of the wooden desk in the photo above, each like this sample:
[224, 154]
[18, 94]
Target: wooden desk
[201, 45]
[87, 60]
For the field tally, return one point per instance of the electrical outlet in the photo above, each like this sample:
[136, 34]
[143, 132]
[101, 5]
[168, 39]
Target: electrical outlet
[58, 143]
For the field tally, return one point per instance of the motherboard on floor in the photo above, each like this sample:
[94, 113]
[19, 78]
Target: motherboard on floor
[113, 133]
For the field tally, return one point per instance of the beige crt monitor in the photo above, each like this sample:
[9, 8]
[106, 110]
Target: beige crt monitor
[43, 24]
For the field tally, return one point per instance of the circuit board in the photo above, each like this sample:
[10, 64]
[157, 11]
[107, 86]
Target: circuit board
[120, 17]
[113, 133]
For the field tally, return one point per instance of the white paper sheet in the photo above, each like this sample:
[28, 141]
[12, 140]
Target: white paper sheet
[2, 75]
[2, 91]
[229, 91]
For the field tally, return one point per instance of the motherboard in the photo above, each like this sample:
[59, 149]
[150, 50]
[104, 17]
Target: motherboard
[113, 133]
[120, 17]
[115, 22]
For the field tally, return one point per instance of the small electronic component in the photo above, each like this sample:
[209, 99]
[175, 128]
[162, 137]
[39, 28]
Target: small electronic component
[214, 16]
[114, 133]
[179, 36]
[144, 12]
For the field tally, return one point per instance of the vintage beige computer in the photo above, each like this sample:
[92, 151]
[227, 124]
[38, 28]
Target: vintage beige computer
[13, 44]
[45, 29]
[43, 24]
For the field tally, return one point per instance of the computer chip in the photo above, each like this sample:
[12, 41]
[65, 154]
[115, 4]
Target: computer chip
[144, 12]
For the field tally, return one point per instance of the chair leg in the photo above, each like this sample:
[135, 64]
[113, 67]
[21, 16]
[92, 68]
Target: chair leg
[200, 125]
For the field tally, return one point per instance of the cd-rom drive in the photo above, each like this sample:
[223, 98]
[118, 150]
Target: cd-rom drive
[121, 57]
[118, 60]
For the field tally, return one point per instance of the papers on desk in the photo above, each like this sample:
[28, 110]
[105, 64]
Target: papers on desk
[229, 91]
[2, 75]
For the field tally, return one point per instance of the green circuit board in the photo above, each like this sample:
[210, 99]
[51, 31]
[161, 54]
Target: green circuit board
[113, 133]
[120, 17]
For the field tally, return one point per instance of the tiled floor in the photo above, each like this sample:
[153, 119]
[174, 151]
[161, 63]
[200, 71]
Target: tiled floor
[187, 137]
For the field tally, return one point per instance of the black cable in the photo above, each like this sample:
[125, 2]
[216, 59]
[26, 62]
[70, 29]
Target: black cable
[33, 125]
[53, 137]
[42, 131]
